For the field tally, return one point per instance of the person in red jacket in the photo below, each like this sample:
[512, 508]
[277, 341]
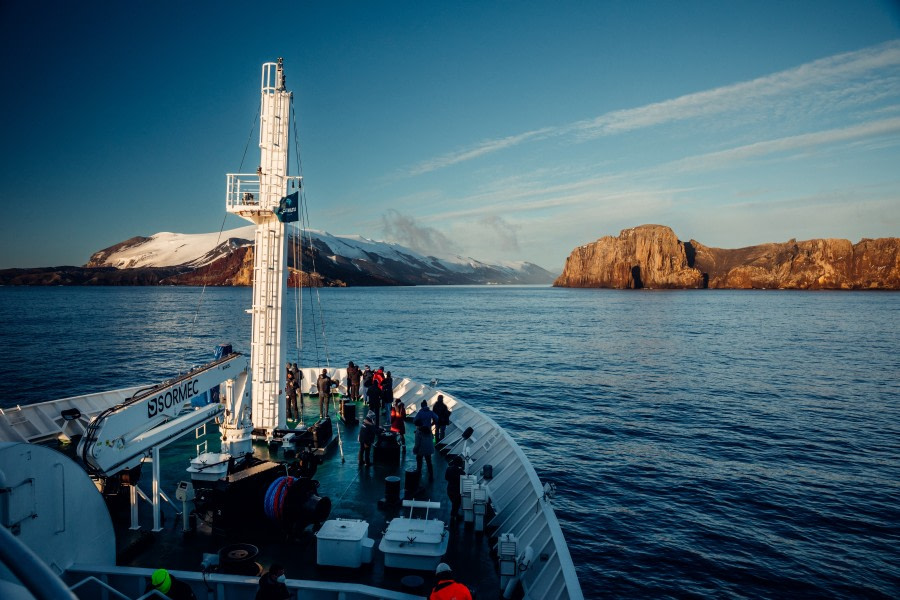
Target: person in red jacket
[446, 588]
[398, 421]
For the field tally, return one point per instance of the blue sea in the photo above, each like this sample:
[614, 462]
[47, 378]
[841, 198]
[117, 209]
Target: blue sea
[704, 444]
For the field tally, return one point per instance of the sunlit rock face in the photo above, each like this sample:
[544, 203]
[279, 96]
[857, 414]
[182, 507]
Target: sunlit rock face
[651, 256]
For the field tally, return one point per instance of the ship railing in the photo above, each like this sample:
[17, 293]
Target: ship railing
[98, 581]
[245, 192]
[57, 419]
[103, 589]
[521, 502]
[242, 191]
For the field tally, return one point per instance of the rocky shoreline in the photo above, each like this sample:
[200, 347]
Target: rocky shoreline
[231, 264]
[652, 256]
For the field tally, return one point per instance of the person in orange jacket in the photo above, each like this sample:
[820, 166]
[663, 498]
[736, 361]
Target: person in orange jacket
[446, 588]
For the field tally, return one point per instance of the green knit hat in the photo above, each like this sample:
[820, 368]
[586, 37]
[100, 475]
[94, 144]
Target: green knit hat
[161, 580]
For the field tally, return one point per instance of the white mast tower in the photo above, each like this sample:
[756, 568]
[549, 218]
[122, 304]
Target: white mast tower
[256, 197]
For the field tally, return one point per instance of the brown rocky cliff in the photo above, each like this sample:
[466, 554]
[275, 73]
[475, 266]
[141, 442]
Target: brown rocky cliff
[646, 256]
[812, 264]
[819, 264]
[237, 269]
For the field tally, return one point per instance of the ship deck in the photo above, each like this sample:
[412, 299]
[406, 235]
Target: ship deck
[354, 492]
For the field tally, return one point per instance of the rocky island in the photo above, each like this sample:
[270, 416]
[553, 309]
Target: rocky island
[652, 256]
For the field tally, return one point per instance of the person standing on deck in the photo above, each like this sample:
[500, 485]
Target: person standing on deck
[290, 390]
[373, 397]
[424, 446]
[353, 378]
[446, 588]
[454, 493]
[443, 415]
[366, 381]
[272, 585]
[323, 384]
[398, 421]
[368, 432]
[387, 395]
[378, 379]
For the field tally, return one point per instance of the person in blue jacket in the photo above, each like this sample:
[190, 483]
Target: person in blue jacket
[424, 446]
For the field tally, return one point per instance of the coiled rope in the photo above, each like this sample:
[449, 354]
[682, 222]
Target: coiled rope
[276, 496]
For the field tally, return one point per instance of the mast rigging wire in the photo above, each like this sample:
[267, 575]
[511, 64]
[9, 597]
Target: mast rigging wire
[190, 336]
[303, 210]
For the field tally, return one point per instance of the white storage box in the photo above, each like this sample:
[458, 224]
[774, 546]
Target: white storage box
[414, 543]
[209, 466]
[344, 543]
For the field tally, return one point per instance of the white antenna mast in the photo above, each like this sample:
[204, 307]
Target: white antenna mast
[256, 197]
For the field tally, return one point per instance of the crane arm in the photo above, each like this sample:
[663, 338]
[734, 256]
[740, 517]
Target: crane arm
[120, 437]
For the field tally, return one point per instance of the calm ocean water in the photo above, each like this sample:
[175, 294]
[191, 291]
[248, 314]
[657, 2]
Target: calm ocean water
[705, 444]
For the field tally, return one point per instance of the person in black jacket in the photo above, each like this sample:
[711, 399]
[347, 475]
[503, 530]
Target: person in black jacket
[368, 432]
[454, 492]
[354, 376]
[373, 397]
[272, 585]
[443, 417]
[387, 395]
[324, 385]
[290, 390]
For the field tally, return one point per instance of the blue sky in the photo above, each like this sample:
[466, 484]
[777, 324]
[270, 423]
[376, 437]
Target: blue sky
[497, 130]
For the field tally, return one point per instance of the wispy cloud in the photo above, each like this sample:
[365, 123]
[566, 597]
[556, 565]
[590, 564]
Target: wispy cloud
[506, 234]
[485, 147]
[722, 158]
[824, 76]
[404, 230]
[650, 184]
[830, 84]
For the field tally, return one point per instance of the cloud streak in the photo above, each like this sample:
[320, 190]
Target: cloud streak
[481, 149]
[722, 158]
[830, 84]
[826, 75]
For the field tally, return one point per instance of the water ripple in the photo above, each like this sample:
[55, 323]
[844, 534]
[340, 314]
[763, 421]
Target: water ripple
[705, 445]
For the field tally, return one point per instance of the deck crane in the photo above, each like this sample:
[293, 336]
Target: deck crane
[123, 436]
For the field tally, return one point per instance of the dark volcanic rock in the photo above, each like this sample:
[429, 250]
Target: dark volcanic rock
[651, 256]
[87, 276]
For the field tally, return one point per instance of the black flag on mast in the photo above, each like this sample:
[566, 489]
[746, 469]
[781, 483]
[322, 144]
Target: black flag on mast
[287, 208]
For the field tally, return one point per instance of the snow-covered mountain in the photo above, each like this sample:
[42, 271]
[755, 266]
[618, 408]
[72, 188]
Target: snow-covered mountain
[331, 259]
[172, 249]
